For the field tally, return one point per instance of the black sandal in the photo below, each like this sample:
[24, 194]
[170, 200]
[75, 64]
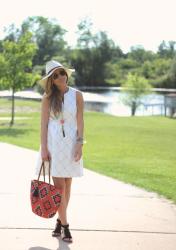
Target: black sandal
[57, 230]
[66, 235]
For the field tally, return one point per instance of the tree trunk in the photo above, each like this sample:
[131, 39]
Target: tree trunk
[13, 107]
[133, 108]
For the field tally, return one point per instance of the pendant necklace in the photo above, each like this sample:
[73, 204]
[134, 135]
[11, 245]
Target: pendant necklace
[62, 117]
[62, 121]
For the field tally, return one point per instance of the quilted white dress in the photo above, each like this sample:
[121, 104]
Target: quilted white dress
[62, 148]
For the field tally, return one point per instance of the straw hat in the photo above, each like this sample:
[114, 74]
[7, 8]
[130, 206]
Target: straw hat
[51, 66]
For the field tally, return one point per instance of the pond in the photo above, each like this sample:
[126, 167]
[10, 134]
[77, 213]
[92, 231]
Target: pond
[109, 100]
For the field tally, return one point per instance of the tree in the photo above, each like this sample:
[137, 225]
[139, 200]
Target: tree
[172, 73]
[135, 87]
[48, 36]
[92, 53]
[82, 56]
[116, 72]
[140, 55]
[15, 64]
[12, 33]
[167, 49]
[85, 38]
[113, 73]
[156, 71]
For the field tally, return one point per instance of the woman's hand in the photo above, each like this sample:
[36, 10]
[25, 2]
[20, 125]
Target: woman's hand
[78, 151]
[45, 154]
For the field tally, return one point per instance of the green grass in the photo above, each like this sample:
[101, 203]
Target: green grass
[136, 150]
[21, 106]
[19, 103]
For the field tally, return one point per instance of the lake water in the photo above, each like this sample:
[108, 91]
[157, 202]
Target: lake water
[110, 101]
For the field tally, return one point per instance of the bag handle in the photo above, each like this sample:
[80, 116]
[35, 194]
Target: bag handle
[36, 190]
[43, 167]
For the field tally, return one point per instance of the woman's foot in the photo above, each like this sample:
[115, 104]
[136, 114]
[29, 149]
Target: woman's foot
[66, 235]
[57, 230]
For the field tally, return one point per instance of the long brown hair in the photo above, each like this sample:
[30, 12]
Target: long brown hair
[54, 96]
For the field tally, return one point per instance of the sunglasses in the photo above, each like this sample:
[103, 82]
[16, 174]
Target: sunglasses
[56, 75]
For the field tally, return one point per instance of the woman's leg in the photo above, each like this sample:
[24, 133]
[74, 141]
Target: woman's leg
[65, 185]
[68, 182]
[60, 183]
[66, 235]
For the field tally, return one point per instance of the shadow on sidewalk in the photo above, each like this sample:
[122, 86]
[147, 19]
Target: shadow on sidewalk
[39, 248]
[62, 246]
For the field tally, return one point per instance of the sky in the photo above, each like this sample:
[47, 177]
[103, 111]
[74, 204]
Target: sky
[127, 22]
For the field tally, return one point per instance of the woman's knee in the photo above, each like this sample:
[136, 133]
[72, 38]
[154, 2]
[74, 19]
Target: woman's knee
[68, 182]
[59, 183]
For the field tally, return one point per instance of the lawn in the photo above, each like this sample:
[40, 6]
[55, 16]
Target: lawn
[136, 150]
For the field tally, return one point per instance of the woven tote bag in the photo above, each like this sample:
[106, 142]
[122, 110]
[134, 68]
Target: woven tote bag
[45, 198]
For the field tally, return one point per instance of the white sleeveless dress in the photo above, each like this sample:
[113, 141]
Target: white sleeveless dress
[62, 148]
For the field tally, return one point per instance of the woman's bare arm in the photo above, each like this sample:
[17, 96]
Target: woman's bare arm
[44, 121]
[80, 111]
[80, 125]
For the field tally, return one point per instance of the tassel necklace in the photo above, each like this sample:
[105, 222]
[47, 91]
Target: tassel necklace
[62, 115]
[62, 118]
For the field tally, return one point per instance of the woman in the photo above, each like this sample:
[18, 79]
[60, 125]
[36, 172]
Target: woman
[62, 127]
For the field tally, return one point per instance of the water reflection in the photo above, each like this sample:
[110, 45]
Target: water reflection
[110, 101]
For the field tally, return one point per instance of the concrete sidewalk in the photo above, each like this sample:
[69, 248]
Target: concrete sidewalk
[123, 217]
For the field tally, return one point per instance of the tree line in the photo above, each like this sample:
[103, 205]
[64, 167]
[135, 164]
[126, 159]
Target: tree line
[97, 59]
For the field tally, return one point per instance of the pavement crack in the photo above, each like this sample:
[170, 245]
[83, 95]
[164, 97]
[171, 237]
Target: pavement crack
[90, 230]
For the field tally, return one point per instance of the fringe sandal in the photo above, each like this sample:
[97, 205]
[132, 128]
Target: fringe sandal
[57, 231]
[66, 235]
